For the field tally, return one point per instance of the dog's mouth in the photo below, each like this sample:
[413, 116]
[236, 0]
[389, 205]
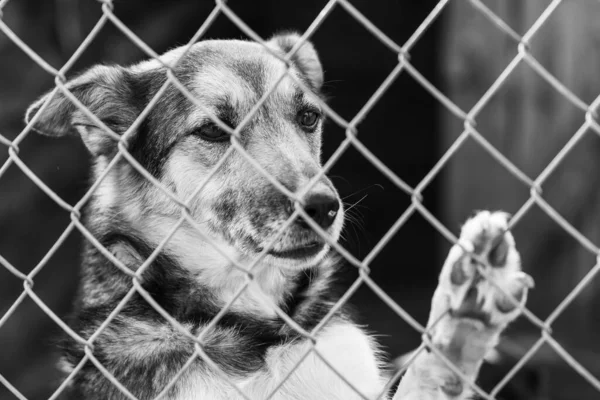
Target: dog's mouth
[300, 252]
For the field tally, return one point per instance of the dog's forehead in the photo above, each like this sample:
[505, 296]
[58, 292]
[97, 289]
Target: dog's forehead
[240, 71]
[236, 70]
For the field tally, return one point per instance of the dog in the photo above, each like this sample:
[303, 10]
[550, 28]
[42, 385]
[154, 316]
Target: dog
[236, 216]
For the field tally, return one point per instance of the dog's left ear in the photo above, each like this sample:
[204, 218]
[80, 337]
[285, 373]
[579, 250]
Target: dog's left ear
[305, 59]
[106, 91]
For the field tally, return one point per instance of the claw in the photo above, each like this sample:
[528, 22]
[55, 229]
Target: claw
[527, 280]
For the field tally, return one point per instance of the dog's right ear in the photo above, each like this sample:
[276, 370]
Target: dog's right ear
[305, 59]
[105, 91]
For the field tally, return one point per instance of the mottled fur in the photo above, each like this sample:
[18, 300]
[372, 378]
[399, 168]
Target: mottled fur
[240, 212]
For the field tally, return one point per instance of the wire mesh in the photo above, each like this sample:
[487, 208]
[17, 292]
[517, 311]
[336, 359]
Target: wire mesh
[351, 140]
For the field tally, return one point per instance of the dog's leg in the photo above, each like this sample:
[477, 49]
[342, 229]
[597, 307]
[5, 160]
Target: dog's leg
[468, 313]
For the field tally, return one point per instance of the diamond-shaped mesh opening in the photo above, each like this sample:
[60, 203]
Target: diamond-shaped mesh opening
[351, 136]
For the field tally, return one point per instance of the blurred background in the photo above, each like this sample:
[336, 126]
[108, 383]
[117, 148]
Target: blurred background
[462, 54]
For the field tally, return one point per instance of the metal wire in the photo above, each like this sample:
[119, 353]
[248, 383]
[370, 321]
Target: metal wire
[351, 128]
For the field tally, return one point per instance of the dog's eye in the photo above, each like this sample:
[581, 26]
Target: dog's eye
[212, 133]
[308, 119]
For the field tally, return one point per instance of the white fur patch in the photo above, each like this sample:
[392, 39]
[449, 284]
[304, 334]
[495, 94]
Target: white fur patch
[345, 346]
[106, 192]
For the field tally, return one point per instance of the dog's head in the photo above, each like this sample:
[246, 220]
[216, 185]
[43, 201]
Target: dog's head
[179, 145]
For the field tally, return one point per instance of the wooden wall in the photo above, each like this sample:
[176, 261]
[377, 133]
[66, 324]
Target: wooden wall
[529, 122]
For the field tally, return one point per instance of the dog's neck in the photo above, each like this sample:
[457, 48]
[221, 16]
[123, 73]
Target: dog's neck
[221, 268]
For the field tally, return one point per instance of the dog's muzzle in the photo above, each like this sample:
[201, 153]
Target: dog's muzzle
[323, 209]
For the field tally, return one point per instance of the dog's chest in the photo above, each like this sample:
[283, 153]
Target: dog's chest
[345, 347]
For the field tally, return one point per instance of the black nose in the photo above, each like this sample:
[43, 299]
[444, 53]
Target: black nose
[322, 208]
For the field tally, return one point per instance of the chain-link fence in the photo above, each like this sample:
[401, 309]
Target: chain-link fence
[352, 140]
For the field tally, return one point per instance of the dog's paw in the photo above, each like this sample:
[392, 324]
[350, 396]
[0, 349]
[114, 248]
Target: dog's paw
[488, 287]
[481, 290]
[481, 282]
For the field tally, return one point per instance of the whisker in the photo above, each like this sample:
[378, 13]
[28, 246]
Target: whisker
[339, 177]
[355, 204]
[363, 189]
